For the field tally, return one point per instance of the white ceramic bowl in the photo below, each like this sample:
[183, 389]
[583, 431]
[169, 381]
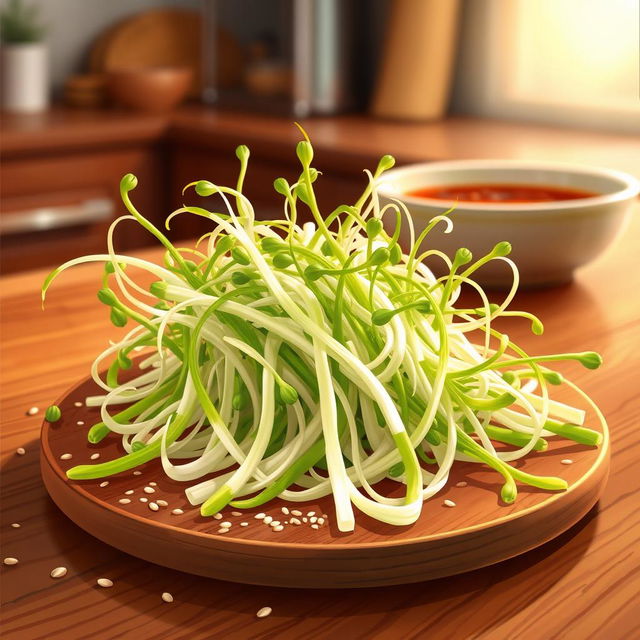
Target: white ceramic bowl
[549, 239]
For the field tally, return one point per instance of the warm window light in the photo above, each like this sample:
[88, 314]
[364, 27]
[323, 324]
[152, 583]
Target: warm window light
[563, 61]
[576, 52]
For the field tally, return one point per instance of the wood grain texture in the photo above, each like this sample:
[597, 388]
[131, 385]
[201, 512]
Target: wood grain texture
[478, 532]
[583, 584]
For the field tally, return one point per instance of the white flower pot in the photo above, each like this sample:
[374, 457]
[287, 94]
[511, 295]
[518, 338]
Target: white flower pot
[25, 77]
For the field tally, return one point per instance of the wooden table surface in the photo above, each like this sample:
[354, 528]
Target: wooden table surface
[584, 584]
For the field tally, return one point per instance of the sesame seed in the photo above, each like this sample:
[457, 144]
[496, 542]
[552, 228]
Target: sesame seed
[226, 524]
[137, 473]
[59, 572]
[77, 404]
[264, 612]
[153, 484]
[104, 484]
[20, 451]
[143, 499]
[124, 501]
[267, 519]
[461, 484]
[325, 516]
[278, 528]
[15, 525]
[95, 456]
[295, 521]
[313, 520]
[449, 503]
[259, 516]
[566, 461]
[305, 519]
[320, 521]
[177, 512]
[315, 526]
[104, 582]
[167, 597]
[10, 561]
[153, 506]
[311, 513]
[66, 456]
[129, 492]
[218, 516]
[80, 423]
[285, 511]
[295, 512]
[274, 523]
[33, 411]
[149, 490]
[236, 513]
[162, 503]
[244, 524]
[223, 530]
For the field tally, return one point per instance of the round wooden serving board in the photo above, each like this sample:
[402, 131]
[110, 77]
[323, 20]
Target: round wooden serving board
[478, 531]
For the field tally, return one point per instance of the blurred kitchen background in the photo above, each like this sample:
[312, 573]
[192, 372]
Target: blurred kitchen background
[92, 90]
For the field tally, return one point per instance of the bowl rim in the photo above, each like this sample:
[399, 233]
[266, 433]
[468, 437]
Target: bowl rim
[630, 190]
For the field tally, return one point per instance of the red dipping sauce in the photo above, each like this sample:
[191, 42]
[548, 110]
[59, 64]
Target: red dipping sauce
[507, 193]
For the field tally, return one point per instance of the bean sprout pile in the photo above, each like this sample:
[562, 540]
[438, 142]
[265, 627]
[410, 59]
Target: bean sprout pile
[301, 360]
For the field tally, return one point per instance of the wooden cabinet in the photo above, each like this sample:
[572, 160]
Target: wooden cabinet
[57, 207]
[60, 174]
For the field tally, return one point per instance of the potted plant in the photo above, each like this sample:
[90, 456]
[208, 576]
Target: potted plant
[24, 59]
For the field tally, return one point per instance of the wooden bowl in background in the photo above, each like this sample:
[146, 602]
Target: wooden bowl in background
[156, 89]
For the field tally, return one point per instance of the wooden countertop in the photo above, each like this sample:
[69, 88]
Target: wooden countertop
[349, 141]
[358, 138]
[62, 129]
[582, 585]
